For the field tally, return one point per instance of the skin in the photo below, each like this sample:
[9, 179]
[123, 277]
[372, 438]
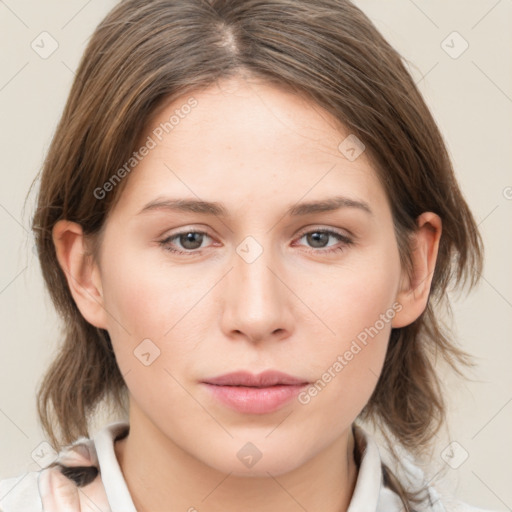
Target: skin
[257, 149]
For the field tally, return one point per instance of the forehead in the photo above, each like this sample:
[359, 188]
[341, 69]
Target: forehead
[248, 140]
[251, 115]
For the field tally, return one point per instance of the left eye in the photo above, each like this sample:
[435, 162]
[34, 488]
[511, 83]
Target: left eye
[192, 241]
[319, 237]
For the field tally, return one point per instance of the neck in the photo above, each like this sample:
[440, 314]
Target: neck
[162, 476]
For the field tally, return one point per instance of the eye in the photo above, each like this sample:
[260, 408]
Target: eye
[319, 239]
[190, 240]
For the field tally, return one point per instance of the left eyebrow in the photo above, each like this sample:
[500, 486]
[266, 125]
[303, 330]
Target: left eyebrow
[218, 210]
[328, 205]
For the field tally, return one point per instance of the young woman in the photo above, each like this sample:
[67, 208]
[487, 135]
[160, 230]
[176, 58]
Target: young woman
[247, 219]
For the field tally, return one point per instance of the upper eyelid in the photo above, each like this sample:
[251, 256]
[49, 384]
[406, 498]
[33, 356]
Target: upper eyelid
[305, 231]
[301, 232]
[184, 232]
[335, 231]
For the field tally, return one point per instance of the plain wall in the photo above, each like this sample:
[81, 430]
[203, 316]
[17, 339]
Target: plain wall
[470, 97]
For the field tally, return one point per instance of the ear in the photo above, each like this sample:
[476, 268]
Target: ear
[82, 273]
[415, 289]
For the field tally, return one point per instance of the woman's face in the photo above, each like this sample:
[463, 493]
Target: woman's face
[263, 281]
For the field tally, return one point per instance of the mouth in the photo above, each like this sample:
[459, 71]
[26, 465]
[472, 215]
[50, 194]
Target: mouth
[262, 380]
[255, 394]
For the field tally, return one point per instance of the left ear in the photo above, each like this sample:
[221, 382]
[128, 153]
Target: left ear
[415, 289]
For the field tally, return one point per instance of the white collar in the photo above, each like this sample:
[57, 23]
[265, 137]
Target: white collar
[111, 475]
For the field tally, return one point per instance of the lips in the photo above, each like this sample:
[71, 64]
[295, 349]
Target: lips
[254, 394]
[262, 380]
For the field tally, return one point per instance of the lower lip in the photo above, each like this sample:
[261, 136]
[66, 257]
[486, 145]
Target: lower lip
[255, 400]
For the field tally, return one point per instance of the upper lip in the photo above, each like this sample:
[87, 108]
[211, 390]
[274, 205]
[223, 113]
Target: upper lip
[263, 379]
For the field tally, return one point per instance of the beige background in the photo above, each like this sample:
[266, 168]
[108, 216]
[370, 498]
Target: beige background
[471, 98]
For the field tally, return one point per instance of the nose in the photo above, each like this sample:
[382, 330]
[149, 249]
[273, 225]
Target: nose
[256, 302]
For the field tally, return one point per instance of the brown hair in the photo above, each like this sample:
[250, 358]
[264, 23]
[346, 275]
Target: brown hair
[147, 53]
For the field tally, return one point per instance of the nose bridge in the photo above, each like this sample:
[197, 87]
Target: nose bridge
[255, 298]
[255, 258]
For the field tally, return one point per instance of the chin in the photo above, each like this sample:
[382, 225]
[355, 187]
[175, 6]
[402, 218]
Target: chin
[253, 459]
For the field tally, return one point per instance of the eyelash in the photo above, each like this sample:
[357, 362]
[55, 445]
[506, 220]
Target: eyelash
[342, 238]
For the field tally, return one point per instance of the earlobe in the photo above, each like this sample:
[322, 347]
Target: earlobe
[81, 271]
[415, 288]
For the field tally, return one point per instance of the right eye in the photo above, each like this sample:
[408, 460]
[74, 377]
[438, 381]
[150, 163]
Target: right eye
[190, 240]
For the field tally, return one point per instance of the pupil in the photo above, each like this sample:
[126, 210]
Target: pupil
[189, 241]
[316, 237]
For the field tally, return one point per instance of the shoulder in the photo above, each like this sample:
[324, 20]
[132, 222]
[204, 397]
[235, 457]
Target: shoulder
[66, 479]
[437, 498]
[51, 488]
[21, 493]
[433, 502]
[450, 504]
[387, 471]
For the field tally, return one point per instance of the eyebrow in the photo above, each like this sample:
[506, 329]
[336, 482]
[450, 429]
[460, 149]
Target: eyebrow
[217, 209]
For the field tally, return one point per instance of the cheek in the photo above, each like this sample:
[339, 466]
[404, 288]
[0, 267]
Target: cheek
[354, 295]
[149, 305]
[347, 368]
[148, 297]
[145, 300]
[359, 307]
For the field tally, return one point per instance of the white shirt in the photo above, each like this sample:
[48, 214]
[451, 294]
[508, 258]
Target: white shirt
[105, 490]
